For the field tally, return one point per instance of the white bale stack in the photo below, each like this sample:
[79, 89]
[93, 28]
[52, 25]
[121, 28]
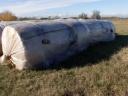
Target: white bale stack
[30, 45]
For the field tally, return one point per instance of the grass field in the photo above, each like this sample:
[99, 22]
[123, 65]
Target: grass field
[102, 70]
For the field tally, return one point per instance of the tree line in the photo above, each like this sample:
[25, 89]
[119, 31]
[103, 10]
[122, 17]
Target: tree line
[95, 15]
[9, 16]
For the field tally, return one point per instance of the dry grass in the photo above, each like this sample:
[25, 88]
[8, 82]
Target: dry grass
[102, 70]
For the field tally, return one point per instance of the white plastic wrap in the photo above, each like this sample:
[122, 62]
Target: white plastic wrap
[30, 45]
[1, 30]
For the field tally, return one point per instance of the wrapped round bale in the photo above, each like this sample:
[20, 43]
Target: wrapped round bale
[100, 30]
[3, 24]
[37, 45]
[81, 34]
[1, 30]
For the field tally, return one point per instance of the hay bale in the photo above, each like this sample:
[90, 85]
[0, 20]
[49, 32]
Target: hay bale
[3, 24]
[40, 44]
[1, 30]
[100, 30]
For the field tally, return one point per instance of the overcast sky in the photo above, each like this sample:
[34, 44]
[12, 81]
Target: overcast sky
[64, 7]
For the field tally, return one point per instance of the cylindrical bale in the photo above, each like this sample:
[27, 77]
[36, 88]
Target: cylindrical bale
[3, 24]
[81, 34]
[1, 30]
[108, 33]
[32, 45]
[101, 30]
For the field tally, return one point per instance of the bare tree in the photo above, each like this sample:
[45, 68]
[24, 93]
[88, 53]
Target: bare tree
[96, 15]
[83, 16]
[7, 16]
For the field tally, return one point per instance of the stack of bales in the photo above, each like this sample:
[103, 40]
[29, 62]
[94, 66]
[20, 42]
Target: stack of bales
[40, 44]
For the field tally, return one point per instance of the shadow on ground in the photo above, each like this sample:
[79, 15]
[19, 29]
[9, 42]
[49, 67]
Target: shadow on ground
[94, 54]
